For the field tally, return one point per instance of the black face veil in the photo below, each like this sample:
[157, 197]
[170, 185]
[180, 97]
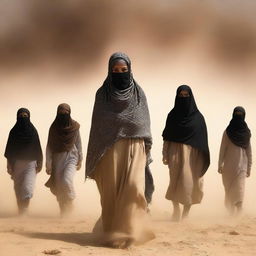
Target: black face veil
[237, 130]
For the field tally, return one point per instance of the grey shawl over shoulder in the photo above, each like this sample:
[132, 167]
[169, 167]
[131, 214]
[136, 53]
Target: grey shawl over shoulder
[117, 114]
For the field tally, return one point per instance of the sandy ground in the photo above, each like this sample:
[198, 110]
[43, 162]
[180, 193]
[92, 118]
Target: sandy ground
[36, 235]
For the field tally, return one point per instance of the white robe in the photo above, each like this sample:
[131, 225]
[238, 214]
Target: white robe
[234, 162]
[63, 166]
[24, 177]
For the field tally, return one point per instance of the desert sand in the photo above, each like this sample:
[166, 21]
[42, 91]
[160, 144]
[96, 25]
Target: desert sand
[204, 237]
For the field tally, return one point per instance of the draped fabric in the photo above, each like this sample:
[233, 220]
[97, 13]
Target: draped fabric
[64, 167]
[24, 177]
[120, 179]
[185, 164]
[23, 141]
[63, 131]
[185, 124]
[237, 130]
[117, 114]
[235, 164]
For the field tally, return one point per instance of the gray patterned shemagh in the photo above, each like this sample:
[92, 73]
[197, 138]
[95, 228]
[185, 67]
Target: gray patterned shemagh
[117, 114]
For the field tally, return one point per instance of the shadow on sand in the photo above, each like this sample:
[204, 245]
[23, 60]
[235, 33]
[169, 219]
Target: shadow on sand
[82, 239]
[4, 215]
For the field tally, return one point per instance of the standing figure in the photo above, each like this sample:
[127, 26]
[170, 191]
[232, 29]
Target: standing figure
[118, 155]
[186, 152]
[24, 158]
[63, 157]
[235, 160]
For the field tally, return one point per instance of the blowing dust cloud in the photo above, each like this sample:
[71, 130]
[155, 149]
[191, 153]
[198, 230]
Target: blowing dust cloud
[53, 52]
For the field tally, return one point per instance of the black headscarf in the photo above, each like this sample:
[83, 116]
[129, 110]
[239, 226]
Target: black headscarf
[237, 130]
[185, 124]
[23, 142]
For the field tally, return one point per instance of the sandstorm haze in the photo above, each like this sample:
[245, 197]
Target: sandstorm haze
[77, 35]
[57, 51]
[54, 51]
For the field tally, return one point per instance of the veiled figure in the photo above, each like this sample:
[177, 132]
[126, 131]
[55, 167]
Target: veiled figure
[186, 152]
[24, 158]
[118, 155]
[235, 160]
[63, 157]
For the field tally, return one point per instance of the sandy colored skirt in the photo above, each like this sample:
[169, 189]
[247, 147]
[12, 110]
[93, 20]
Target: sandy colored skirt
[234, 184]
[185, 166]
[120, 177]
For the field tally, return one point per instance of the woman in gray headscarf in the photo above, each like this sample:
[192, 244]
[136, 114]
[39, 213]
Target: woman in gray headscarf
[63, 157]
[118, 154]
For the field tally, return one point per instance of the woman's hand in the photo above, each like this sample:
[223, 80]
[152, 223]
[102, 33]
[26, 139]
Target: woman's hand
[38, 167]
[48, 171]
[10, 171]
[79, 164]
[165, 161]
[9, 168]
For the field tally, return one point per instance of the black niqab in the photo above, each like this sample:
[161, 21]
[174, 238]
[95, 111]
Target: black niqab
[23, 141]
[121, 81]
[237, 130]
[185, 124]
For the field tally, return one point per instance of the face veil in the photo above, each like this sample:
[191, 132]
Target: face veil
[120, 81]
[237, 130]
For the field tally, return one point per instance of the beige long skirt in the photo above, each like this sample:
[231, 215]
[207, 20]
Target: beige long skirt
[185, 166]
[234, 184]
[120, 177]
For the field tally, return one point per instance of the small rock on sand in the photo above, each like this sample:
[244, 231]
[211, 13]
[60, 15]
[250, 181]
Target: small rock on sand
[234, 233]
[52, 252]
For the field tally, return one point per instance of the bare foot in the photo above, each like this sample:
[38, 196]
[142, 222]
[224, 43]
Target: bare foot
[175, 216]
[185, 212]
[176, 212]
